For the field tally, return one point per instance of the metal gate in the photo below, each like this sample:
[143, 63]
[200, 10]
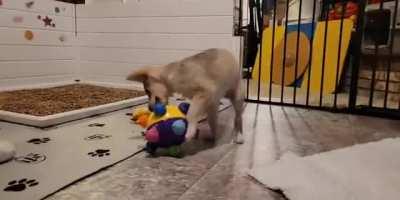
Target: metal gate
[336, 55]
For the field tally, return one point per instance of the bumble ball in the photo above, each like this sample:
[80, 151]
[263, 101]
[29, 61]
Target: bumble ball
[159, 109]
[179, 127]
[184, 107]
[174, 151]
[152, 135]
[142, 120]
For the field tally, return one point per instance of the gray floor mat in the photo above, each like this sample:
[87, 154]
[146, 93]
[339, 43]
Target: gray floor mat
[49, 160]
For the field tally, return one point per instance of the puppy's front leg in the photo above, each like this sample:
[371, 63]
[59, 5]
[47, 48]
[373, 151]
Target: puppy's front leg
[196, 111]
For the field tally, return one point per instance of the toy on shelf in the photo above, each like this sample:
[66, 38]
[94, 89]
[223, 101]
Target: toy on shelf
[166, 127]
[347, 9]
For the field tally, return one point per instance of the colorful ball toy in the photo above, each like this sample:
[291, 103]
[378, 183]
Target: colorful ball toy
[166, 127]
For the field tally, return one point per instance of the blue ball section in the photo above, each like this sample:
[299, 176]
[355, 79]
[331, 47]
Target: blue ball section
[168, 137]
[184, 107]
[159, 109]
[179, 127]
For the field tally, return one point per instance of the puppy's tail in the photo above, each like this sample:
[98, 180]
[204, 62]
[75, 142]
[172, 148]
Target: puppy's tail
[139, 74]
[143, 73]
[131, 77]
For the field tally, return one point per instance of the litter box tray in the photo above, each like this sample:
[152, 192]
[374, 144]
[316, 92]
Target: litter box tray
[59, 118]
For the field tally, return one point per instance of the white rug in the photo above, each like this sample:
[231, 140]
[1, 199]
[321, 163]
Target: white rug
[49, 160]
[362, 172]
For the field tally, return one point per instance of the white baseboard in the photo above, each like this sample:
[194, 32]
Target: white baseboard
[133, 85]
[36, 82]
[68, 81]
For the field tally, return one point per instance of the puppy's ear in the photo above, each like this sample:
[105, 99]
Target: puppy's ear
[140, 75]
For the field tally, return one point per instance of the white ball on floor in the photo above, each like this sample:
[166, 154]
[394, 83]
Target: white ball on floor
[7, 151]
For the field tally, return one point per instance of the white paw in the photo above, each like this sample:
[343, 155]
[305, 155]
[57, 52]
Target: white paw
[238, 139]
[189, 137]
[7, 150]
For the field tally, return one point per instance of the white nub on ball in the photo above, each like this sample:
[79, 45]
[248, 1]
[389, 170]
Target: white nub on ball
[7, 151]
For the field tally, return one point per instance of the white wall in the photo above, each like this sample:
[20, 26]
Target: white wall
[44, 59]
[116, 37]
[113, 38]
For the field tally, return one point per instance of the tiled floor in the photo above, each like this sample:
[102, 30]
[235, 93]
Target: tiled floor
[218, 171]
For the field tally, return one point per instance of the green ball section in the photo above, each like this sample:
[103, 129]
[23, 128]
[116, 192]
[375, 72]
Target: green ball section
[175, 151]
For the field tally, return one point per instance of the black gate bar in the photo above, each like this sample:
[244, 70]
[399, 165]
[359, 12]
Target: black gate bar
[324, 51]
[343, 4]
[311, 52]
[284, 52]
[272, 52]
[389, 68]
[356, 48]
[297, 50]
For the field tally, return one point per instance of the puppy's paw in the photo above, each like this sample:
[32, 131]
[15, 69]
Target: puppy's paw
[193, 136]
[238, 139]
[189, 137]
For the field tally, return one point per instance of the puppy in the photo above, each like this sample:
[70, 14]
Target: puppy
[205, 78]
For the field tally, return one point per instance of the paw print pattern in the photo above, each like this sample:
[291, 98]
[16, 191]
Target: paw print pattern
[100, 153]
[39, 140]
[96, 125]
[97, 137]
[20, 185]
[32, 158]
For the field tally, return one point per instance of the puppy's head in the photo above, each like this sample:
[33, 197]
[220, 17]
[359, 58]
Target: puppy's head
[154, 87]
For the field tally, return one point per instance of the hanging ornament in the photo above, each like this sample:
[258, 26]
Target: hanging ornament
[62, 38]
[18, 19]
[29, 4]
[29, 35]
[47, 21]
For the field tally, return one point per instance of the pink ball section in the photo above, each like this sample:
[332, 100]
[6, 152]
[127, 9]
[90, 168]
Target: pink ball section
[152, 135]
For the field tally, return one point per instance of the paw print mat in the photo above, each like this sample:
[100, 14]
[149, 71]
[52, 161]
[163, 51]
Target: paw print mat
[49, 160]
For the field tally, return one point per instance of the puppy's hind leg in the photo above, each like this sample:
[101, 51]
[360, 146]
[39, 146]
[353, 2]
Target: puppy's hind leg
[212, 118]
[237, 100]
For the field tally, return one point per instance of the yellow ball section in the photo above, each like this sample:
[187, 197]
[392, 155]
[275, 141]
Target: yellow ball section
[138, 112]
[172, 112]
